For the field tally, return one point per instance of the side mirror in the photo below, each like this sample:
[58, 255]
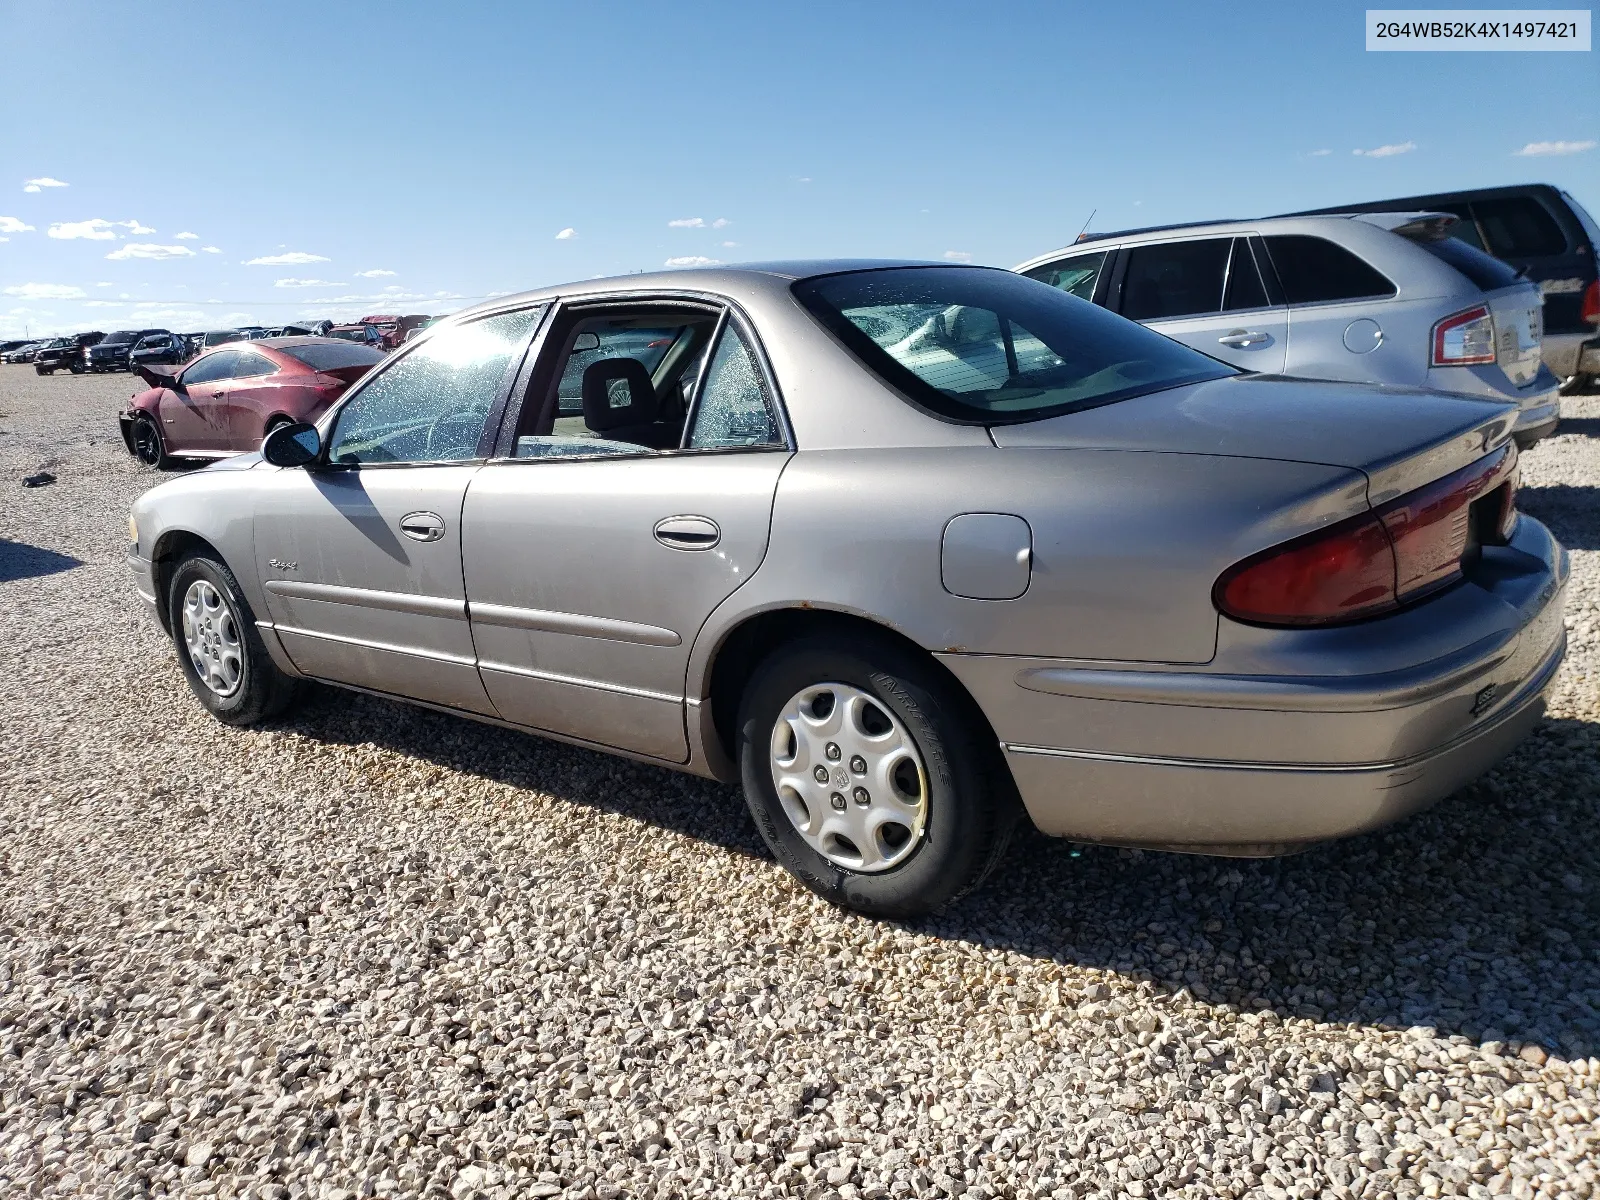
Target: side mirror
[292, 445]
[585, 341]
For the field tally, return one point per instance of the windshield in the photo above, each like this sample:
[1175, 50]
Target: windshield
[358, 334]
[984, 345]
[325, 357]
[123, 335]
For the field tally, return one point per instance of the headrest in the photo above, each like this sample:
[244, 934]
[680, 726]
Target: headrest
[617, 392]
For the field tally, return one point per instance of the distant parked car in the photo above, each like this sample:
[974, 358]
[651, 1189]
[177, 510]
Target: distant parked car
[111, 353]
[15, 344]
[25, 352]
[223, 402]
[1548, 236]
[368, 335]
[395, 328]
[421, 327]
[167, 348]
[66, 352]
[901, 583]
[1371, 298]
[314, 328]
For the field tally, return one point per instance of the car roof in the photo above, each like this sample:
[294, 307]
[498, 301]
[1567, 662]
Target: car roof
[771, 277]
[1235, 227]
[293, 340]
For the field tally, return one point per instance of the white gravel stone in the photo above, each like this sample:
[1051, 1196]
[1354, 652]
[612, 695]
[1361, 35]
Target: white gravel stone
[373, 951]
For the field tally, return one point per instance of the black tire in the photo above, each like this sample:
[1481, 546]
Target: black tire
[77, 368]
[972, 805]
[259, 689]
[149, 447]
[42, 371]
[1579, 384]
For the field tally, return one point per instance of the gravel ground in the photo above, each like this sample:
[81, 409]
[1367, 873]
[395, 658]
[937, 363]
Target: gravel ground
[374, 951]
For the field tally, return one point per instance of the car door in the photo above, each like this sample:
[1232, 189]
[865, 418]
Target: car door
[360, 554]
[190, 411]
[590, 569]
[248, 401]
[1206, 293]
[1342, 324]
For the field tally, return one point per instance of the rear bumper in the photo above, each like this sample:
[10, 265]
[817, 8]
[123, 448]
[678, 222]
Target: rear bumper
[1568, 354]
[125, 426]
[1265, 760]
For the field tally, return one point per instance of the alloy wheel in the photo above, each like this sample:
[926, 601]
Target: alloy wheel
[211, 636]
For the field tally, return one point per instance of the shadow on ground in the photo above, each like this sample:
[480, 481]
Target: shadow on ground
[1569, 511]
[18, 560]
[1581, 426]
[1478, 918]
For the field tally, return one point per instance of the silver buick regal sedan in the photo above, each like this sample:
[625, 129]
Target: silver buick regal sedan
[904, 549]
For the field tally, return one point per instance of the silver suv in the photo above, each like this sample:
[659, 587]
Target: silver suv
[1373, 297]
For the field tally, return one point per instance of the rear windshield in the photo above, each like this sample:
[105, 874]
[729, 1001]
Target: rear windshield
[987, 346]
[1485, 271]
[326, 357]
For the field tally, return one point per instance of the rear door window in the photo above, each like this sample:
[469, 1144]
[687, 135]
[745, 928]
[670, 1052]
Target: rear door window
[1178, 279]
[1313, 270]
[251, 365]
[1519, 227]
[734, 411]
[1244, 289]
[1077, 275]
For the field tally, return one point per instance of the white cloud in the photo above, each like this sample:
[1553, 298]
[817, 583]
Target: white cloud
[292, 258]
[13, 225]
[1388, 151]
[957, 256]
[105, 285]
[803, 179]
[1320, 153]
[692, 260]
[376, 273]
[4, 239]
[567, 234]
[721, 223]
[45, 291]
[95, 230]
[1541, 149]
[687, 223]
[299, 283]
[44, 181]
[212, 249]
[149, 250]
[135, 228]
[187, 237]
[730, 243]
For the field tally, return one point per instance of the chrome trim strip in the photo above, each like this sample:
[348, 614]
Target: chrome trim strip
[147, 597]
[576, 624]
[400, 602]
[412, 651]
[1291, 693]
[265, 625]
[576, 681]
[1530, 692]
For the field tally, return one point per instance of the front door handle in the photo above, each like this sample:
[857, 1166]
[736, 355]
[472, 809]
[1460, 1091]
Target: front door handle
[422, 526]
[1239, 339]
[688, 533]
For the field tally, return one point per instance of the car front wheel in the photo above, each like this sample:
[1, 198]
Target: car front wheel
[148, 445]
[219, 649]
[871, 777]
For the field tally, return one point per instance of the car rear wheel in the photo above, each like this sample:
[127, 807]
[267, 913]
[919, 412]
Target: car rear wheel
[148, 445]
[219, 648]
[870, 776]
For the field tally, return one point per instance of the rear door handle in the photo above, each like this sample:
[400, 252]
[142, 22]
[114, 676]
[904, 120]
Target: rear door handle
[1240, 338]
[422, 526]
[688, 533]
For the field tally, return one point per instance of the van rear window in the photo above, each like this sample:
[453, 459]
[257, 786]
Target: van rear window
[1484, 270]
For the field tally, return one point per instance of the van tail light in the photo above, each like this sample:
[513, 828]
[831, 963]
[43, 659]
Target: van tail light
[1380, 560]
[1463, 339]
[1591, 302]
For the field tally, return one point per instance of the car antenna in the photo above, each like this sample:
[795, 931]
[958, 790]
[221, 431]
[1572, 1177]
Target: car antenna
[1086, 221]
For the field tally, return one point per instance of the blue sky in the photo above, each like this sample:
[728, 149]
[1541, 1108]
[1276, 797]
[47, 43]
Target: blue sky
[416, 156]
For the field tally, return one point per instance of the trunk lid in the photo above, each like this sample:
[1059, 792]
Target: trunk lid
[1518, 330]
[346, 375]
[1401, 438]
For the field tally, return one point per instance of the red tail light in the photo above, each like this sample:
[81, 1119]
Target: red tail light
[1464, 339]
[1591, 302]
[1378, 561]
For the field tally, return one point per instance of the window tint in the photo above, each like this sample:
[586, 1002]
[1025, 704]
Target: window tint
[733, 409]
[1465, 229]
[988, 346]
[1519, 227]
[1077, 275]
[326, 356]
[1313, 270]
[214, 366]
[251, 365]
[1244, 288]
[1584, 219]
[432, 404]
[1179, 279]
[1484, 270]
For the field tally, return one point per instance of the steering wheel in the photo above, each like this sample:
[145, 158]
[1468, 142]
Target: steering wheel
[450, 430]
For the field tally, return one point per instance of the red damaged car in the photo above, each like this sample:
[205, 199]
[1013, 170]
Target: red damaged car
[225, 401]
